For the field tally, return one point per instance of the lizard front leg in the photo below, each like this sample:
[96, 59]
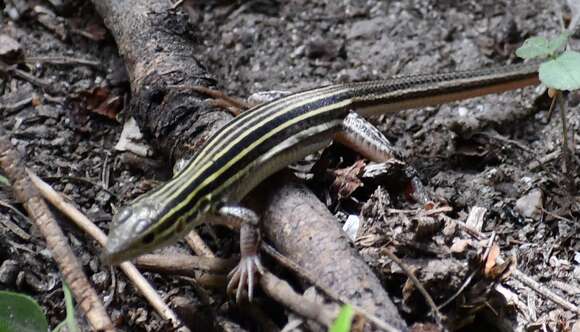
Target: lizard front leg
[248, 223]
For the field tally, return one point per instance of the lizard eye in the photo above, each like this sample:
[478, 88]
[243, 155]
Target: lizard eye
[122, 215]
[141, 225]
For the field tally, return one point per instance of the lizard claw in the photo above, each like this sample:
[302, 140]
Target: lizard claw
[244, 275]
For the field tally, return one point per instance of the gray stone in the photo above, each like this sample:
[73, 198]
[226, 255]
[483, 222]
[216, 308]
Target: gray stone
[530, 205]
[8, 272]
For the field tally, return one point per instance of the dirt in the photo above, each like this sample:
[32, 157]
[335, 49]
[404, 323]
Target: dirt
[469, 154]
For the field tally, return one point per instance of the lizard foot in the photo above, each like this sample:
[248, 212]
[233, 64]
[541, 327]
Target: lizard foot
[245, 275]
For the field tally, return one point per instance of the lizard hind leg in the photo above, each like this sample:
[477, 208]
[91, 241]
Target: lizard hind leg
[361, 136]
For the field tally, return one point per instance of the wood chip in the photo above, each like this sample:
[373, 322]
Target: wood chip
[475, 218]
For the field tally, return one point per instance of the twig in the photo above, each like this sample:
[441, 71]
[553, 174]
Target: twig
[422, 211]
[15, 210]
[200, 248]
[45, 85]
[560, 14]
[146, 62]
[526, 280]
[281, 291]
[566, 287]
[553, 215]
[330, 293]
[459, 291]
[15, 228]
[54, 99]
[12, 226]
[490, 242]
[87, 226]
[208, 272]
[57, 243]
[473, 232]
[276, 288]
[84, 180]
[176, 3]
[549, 157]
[64, 60]
[9, 109]
[237, 104]
[544, 291]
[436, 313]
[512, 297]
[197, 244]
[4, 68]
[504, 139]
[184, 264]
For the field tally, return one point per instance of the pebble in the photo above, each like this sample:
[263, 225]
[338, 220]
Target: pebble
[530, 205]
[8, 272]
[366, 28]
[320, 48]
[10, 49]
[351, 226]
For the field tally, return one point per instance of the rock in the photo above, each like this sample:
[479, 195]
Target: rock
[366, 28]
[10, 49]
[100, 279]
[8, 272]
[530, 205]
[459, 246]
[319, 48]
[131, 138]
[351, 226]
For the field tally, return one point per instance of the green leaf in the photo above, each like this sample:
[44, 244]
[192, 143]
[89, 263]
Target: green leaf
[71, 321]
[60, 326]
[559, 42]
[563, 72]
[534, 47]
[344, 320]
[4, 181]
[20, 313]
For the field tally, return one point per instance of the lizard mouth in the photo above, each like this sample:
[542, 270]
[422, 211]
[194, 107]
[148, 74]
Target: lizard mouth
[115, 253]
[113, 257]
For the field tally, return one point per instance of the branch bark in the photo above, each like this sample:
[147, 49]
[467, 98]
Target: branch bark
[295, 221]
[300, 225]
[156, 60]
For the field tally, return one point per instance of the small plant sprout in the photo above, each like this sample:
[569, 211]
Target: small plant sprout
[561, 71]
[70, 321]
[344, 320]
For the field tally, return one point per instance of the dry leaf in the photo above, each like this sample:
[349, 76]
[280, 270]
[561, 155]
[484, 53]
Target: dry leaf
[504, 270]
[490, 260]
[102, 101]
[347, 180]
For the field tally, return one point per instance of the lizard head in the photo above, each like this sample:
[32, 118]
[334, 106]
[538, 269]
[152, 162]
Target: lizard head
[134, 231]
